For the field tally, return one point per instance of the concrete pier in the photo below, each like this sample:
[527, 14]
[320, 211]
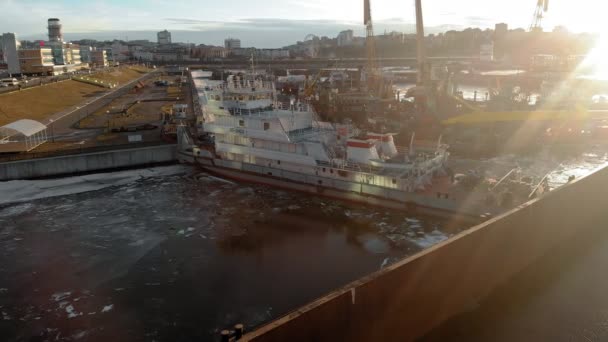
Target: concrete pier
[87, 162]
[408, 299]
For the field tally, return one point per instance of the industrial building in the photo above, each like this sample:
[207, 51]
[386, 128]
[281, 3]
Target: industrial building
[163, 37]
[272, 53]
[209, 52]
[232, 43]
[345, 38]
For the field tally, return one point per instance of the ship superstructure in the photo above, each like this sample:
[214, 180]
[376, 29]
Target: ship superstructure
[249, 135]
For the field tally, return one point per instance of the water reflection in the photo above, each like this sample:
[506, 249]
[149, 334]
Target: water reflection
[176, 258]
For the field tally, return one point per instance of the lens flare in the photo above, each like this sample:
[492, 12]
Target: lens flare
[597, 59]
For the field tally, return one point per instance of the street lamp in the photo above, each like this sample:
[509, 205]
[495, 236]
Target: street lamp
[52, 130]
[108, 119]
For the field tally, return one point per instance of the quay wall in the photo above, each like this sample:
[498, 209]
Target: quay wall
[87, 162]
[408, 299]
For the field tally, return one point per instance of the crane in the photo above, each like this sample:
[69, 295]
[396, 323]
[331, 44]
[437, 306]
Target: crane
[542, 6]
[423, 67]
[370, 43]
[422, 92]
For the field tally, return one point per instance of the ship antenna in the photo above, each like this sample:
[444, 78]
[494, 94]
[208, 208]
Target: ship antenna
[439, 142]
[411, 149]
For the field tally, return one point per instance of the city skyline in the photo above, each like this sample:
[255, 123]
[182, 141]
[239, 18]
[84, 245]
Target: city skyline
[275, 23]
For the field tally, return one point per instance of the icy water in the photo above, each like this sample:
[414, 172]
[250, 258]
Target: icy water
[468, 92]
[165, 254]
[160, 255]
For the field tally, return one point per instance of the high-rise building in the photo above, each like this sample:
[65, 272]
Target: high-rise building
[500, 30]
[10, 52]
[232, 43]
[164, 37]
[55, 33]
[345, 38]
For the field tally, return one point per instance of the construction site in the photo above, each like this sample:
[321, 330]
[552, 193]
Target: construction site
[100, 109]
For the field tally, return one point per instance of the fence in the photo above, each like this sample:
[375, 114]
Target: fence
[103, 148]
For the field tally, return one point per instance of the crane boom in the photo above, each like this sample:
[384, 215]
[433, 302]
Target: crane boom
[423, 73]
[369, 39]
[542, 6]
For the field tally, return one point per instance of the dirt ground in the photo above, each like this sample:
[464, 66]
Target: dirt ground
[125, 111]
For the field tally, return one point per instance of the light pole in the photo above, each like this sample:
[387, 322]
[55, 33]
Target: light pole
[52, 131]
[108, 120]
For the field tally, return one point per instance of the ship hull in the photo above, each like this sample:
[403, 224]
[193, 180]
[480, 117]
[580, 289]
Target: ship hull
[406, 201]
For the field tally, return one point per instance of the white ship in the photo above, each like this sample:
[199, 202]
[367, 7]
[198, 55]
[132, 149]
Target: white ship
[249, 136]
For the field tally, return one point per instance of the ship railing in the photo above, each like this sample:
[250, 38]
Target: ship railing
[424, 152]
[260, 112]
[402, 150]
[296, 107]
[350, 166]
[302, 134]
[247, 86]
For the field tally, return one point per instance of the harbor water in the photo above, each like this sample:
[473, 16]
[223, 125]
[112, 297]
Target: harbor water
[164, 254]
[172, 254]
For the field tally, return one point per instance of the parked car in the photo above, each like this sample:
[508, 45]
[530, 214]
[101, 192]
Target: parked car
[9, 82]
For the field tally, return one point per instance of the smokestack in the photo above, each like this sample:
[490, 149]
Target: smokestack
[55, 34]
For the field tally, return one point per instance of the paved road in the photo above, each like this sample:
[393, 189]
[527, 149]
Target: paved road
[62, 122]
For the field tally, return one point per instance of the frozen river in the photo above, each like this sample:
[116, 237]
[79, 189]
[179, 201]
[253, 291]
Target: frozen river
[161, 255]
[166, 254]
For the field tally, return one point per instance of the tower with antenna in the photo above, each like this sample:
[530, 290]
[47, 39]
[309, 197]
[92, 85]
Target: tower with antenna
[542, 6]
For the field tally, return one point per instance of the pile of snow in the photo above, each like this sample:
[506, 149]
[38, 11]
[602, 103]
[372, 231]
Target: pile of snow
[27, 190]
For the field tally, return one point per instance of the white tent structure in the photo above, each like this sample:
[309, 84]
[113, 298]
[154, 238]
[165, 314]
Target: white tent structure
[22, 136]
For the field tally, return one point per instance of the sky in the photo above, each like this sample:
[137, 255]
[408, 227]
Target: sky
[276, 23]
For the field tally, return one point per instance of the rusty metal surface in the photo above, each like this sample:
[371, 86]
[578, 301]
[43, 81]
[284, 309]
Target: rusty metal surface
[411, 298]
[560, 298]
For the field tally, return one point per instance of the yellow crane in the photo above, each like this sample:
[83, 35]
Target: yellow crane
[542, 6]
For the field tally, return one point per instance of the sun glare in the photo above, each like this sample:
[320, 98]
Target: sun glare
[597, 59]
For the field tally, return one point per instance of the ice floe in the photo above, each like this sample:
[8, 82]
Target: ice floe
[26, 190]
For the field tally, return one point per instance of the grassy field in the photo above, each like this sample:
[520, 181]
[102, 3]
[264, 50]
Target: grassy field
[39, 103]
[121, 75]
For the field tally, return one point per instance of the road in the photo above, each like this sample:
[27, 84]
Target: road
[60, 124]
